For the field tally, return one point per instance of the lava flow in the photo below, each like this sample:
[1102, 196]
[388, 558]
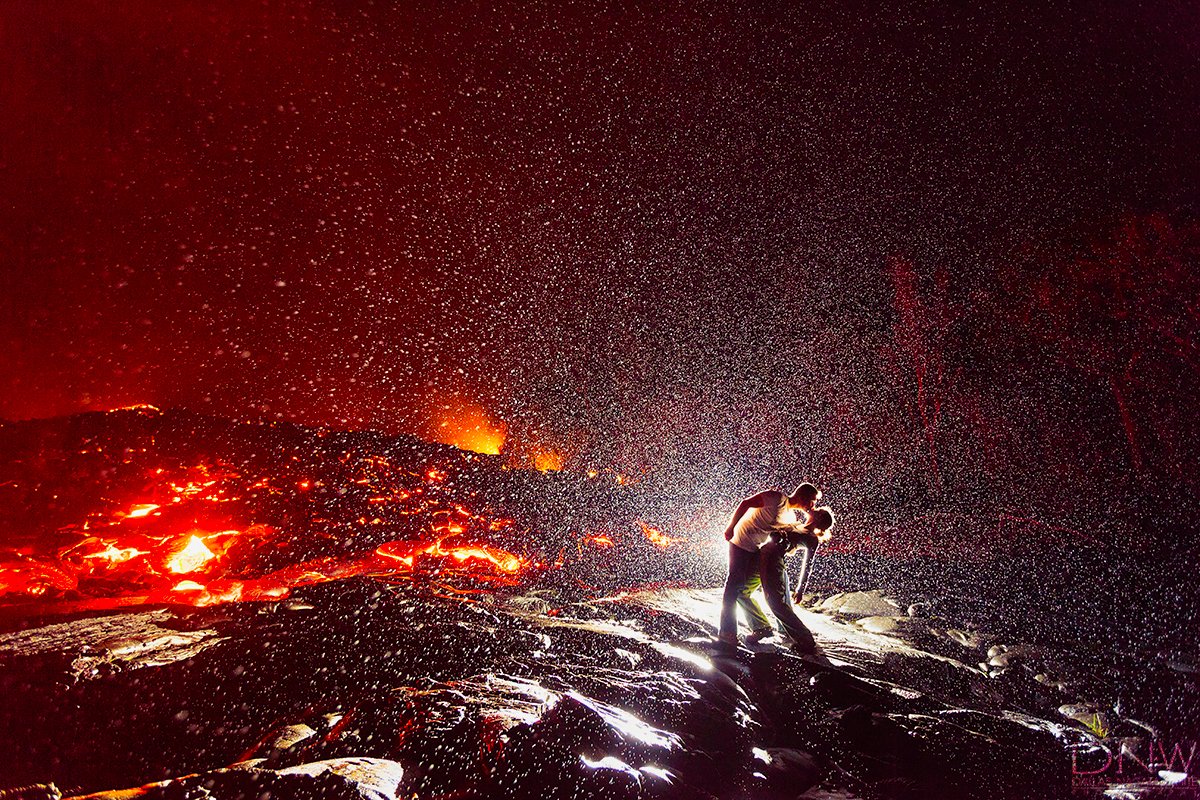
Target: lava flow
[250, 524]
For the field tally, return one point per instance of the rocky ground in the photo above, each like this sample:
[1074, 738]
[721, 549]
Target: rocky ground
[361, 689]
[208, 608]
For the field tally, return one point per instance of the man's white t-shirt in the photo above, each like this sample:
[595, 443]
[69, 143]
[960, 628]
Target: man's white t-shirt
[754, 528]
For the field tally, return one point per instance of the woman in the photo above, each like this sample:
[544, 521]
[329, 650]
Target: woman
[772, 570]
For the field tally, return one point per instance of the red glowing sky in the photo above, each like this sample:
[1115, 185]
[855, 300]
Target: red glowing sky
[577, 219]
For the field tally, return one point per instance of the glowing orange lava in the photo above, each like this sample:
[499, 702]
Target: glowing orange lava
[141, 407]
[116, 555]
[164, 552]
[192, 557]
[548, 461]
[142, 510]
[407, 553]
[657, 537]
[468, 426]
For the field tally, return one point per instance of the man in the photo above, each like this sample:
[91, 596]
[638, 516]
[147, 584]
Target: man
[774, 577]
[752, 534]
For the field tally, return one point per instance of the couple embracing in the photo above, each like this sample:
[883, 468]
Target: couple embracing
[765, 529]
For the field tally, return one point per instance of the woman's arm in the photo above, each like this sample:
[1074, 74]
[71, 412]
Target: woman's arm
[808, 544]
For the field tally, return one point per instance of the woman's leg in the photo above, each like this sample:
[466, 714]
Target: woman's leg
[775, 586]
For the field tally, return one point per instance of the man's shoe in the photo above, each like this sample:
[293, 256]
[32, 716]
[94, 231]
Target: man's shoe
[755, 637]
[724, 646]
[812, 654]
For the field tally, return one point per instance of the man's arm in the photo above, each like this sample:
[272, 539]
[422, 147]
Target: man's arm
[756, 501]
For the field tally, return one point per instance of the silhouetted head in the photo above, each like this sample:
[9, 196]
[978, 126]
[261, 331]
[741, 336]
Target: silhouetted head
[820, 520]
[805, 496]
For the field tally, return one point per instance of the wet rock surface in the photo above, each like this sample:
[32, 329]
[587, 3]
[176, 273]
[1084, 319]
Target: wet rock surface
[214, 608]
[359, 689]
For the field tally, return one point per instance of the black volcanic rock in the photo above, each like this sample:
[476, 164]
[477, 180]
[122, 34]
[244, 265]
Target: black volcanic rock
[476, 699]
[576, 675]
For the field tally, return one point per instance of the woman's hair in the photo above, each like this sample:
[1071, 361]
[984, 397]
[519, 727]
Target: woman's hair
[821, 519]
